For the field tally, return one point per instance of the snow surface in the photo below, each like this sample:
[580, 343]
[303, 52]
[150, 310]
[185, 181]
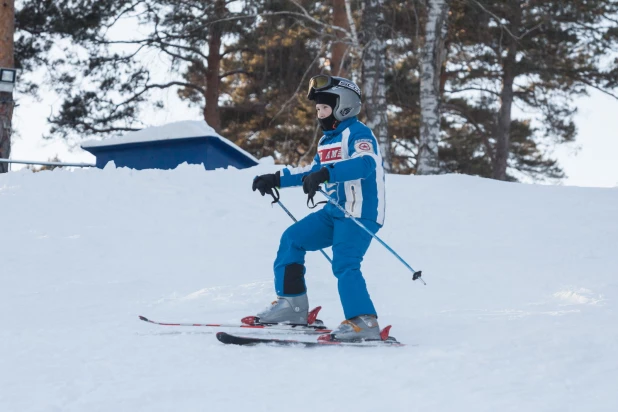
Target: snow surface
[519, 311]
[176, 130]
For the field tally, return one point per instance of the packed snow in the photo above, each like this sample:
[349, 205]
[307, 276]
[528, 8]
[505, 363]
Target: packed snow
[519, 311]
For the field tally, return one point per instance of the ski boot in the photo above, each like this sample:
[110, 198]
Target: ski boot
[358, 329]
[291, 310]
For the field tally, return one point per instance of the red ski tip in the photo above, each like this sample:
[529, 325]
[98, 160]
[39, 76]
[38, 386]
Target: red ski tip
[325, 338]
[143, 318]
[384, 333]
[313, 315]
[248, 320]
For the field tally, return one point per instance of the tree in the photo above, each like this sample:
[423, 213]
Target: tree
[340, 48]
[402, 77]
[48, 32]
[267, 111]
[7, 29]
[374, 69]
[114, 80]
[203, 67]
[432, 60]
[535, 54]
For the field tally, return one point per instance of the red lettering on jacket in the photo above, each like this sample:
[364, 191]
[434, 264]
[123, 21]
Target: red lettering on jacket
[330, 155]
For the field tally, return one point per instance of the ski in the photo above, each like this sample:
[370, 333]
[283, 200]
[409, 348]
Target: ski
[315, 326]
[323, 340]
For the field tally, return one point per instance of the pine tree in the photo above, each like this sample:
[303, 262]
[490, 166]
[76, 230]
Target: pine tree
[267, 112]
[187, 35]
[535, 54]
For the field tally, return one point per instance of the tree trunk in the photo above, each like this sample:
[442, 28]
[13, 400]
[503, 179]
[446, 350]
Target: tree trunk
[374, 68]
[432, 59]
[7, 30]
[213, 81]
[503, 133]
[338, 48]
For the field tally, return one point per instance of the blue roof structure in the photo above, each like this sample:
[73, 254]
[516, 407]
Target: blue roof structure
[166, 147]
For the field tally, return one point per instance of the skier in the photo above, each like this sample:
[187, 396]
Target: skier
[348, 161]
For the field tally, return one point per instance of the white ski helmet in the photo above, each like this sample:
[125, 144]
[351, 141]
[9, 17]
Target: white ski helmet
[347, 92]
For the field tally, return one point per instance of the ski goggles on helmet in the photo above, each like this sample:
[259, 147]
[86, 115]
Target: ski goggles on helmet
[323, 82]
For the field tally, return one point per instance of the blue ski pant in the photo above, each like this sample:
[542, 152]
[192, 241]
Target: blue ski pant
[349, 241]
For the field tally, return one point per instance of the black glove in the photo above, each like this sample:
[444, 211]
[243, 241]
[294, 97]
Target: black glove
[266, 183]
[312, 182]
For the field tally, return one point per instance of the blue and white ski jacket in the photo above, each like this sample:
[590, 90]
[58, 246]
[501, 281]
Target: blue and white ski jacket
[352, 156]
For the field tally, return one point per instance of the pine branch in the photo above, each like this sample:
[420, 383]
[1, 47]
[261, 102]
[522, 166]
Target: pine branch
[473, 88]
[88, 127]
[233, 72]
[306, 15]
[599, 88]
[122, 13]
[150, 41]
[162, 86]
[499, 22]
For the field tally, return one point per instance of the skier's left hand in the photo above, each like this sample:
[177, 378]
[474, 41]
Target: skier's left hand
[312, 182]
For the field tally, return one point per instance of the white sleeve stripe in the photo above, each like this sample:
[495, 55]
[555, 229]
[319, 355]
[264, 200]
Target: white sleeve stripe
[375, 156]
[300, 170]
[345, 135]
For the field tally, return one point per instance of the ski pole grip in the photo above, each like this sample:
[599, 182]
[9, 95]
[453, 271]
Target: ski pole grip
[275, 194]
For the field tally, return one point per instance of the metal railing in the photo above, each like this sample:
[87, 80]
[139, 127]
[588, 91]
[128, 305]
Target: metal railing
[59, 164]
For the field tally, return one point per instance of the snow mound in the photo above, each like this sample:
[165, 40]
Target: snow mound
[580, 296]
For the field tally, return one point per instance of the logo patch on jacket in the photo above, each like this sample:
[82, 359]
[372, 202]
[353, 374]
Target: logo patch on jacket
[363, 145]
[330, 154]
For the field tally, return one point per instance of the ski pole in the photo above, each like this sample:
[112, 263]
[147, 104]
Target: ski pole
[294, 219]
[415, 274]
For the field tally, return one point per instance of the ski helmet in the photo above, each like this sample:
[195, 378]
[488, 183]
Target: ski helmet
[347, 92]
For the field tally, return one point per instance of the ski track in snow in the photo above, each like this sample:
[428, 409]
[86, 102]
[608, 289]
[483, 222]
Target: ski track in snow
[519, 311]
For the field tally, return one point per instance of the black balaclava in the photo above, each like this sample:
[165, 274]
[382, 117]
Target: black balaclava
[328, 123]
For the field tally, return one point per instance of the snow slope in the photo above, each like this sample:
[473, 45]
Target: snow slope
[519, 311]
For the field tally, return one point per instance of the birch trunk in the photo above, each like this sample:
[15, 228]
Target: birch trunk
[374, 68]
[432, 59]
[7, 30]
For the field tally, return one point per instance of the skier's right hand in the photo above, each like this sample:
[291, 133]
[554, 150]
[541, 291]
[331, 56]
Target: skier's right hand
[266, 183]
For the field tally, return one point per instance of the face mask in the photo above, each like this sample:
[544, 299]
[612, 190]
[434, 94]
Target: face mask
[328, 123]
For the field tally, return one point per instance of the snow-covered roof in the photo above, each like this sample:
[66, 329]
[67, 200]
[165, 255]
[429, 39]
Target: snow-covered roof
[177, 130]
